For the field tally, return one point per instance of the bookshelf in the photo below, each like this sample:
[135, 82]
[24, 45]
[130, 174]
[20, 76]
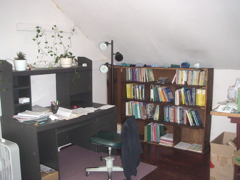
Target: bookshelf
[138, 92]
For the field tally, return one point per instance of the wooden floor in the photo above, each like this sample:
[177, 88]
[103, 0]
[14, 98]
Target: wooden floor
[175, 164]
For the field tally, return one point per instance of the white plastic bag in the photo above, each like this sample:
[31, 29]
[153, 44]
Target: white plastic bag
[233, 91]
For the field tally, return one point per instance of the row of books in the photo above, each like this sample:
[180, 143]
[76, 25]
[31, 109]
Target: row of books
[183, 96]
[153, 132]
[161, 93]
[142, 110]
[190, 96]
[190, 77]
[139, 74]
[182, 115]
[135, 91]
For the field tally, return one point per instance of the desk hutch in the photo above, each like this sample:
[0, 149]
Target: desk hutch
[39, 144]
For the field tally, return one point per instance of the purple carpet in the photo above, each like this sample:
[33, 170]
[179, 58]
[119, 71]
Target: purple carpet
[74, 159]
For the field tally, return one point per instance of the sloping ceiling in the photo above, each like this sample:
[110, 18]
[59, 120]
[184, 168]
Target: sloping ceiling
[163, 32]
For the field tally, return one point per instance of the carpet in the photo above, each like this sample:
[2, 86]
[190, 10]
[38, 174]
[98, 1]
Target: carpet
[74, 159]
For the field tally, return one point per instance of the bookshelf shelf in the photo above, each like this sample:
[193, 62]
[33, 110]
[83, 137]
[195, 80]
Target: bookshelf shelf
[127, 97]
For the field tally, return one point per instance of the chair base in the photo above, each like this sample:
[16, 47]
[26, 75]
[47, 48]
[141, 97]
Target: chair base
[108, 168]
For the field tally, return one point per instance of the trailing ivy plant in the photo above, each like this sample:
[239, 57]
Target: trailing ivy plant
[54, 45]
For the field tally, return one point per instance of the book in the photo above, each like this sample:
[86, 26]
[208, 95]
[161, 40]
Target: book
[178, 98]
[174, 79]
[195, 117]
[190, 118]
[169, 94]
[156, 113]
[166, 113]
[198, 97]
[195, 148]
[149, 132]
[28, 113]
[198, 117]
[183, 145]
[185, 96]
[203, 97]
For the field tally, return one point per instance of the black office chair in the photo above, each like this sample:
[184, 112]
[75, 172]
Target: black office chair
[129, 143]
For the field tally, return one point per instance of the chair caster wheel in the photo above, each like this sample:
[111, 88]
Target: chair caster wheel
[87, 173]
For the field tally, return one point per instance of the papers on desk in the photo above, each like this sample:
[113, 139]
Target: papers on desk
[39, 113]
[32, 116]
[84, 111]
[107, 106]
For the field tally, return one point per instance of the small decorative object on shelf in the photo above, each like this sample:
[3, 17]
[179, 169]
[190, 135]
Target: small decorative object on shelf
[163, 80]
[185, 65]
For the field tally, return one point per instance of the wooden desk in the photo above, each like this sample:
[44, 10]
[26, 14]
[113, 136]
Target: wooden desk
[235, 118]
[39, 144]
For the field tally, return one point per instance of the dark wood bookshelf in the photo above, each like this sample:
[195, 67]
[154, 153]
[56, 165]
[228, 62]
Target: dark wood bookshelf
[190, 134]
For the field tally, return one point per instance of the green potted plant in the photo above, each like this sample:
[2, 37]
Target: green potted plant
[59, 41]
[20, 62]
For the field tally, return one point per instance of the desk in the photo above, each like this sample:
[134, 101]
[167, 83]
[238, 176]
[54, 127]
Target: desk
[235, 118]
[39, 144]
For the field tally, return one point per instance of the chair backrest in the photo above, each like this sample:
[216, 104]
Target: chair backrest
[131, 147]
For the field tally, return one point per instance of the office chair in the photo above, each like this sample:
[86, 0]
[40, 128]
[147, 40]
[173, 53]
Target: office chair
[129, 143]
[110, 140]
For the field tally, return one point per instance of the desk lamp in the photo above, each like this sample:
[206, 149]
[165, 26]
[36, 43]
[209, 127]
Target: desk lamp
[104, 67]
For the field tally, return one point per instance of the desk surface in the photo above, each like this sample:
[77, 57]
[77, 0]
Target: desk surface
[50, 124]
[225, 114]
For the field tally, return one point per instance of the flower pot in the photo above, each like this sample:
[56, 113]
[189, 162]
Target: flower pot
[66, 62]
[20, 65]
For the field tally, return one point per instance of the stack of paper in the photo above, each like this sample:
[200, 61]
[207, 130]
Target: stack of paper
[31, 115]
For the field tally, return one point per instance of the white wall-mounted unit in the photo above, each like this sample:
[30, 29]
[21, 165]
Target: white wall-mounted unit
[9, 161]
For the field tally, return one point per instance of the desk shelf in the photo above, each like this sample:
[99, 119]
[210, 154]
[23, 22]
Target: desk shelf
[69, 92]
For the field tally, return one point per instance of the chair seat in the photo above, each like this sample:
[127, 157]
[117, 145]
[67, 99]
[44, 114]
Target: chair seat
[106, 138]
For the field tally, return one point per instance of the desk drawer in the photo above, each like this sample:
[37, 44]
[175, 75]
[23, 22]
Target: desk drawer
[72, 133]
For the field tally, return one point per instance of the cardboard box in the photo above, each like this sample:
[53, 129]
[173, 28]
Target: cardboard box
[48, 173]
[49, 176]
[221, 157]
[236, 158]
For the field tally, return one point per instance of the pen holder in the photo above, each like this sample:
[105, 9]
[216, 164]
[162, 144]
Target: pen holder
[54, 108]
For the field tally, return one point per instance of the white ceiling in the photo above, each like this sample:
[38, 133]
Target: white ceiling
[163, 32]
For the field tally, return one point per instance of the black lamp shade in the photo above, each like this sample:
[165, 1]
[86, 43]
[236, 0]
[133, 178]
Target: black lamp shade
[118, 56]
